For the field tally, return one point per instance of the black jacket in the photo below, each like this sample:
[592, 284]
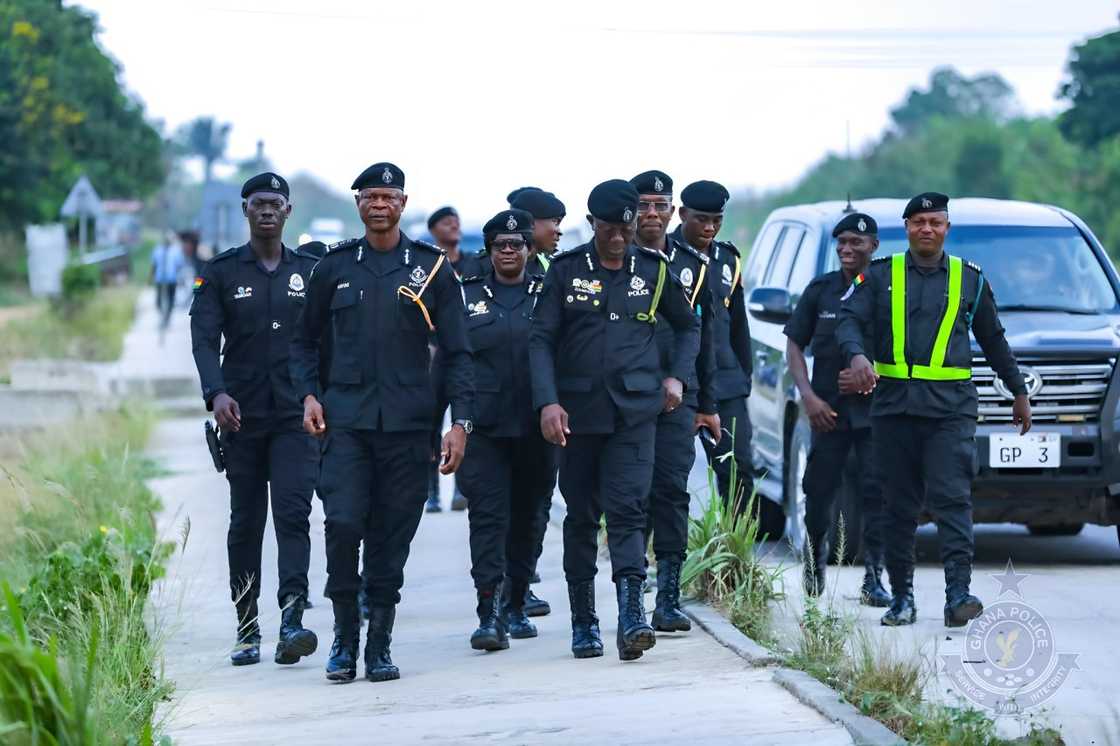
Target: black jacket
[379, 371]
[692, 269]
[590, 350]
[255, 311]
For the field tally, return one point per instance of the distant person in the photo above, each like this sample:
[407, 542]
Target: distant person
[167, 262]
[190, 241]
[250, 295]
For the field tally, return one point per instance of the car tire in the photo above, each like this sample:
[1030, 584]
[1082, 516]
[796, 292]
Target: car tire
[1055, 529]
[797, 456]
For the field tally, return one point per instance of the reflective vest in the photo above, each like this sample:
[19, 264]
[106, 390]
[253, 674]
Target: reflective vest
[936, 370]
[544, 261]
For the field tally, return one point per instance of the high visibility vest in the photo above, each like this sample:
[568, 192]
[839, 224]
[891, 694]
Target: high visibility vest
[936, 370]
[544, 261]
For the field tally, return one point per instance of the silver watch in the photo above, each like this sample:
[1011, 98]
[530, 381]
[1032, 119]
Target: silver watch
[467, 425]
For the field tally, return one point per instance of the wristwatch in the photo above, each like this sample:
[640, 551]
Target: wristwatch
[467, 425]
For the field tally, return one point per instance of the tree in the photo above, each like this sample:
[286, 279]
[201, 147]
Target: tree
[206, 138]
[1093, 90]
[953, 96]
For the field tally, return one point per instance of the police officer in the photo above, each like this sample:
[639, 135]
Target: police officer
[674, 449]
[839, 416]
[701, 219]
[919, 307]
[510, 469]
[378, 298]
[251, 295]
[598, 384]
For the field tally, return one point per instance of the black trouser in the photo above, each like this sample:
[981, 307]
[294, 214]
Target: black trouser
[285, 464]
[165, 299]
[733, 418]
[541, 518]
[933, 457]
[607, 474]
[824, 474]
[503, 480]
[673, 456]
[373, 485]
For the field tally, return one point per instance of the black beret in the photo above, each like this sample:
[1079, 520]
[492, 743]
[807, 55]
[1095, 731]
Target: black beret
[653, 182]
[613, 201]
[540, 204]
[266, 182]
[705, 196]
[384, 175]
[440, 214]
[519, 191]
[857, 222]
[508, 221]
[926, 202]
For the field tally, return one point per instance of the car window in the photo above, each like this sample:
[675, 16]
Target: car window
[1027, 267]
[780, 267]
[761, 255]
[805, 265]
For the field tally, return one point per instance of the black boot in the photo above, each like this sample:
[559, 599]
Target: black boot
[379, 664]
[491, 632]
[295, 642]
[513, 610]
[635, 636]
[535, 606]
[247, 651]
[667, 615]
[342, 665]
[960, 605]
[814, 561]
[902, 611]
[586, 640]
[872, 593]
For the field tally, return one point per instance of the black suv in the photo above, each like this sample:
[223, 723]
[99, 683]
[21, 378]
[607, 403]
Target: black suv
[1057, 293]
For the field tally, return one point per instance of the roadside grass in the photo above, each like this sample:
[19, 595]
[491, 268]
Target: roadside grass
[79, 652]
[95, 332]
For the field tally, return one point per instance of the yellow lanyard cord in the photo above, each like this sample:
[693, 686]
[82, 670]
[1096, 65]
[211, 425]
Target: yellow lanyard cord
[414, 296]
[734, 282]
[699, 284]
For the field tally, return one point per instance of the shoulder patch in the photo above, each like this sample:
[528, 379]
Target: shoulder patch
[653, 253]
[682, 246]
[729, 246]
[428, 246]
[348, 243]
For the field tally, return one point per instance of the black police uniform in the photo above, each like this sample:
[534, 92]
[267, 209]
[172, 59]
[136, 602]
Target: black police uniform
[255, 310]
[924, 430]
[813, 324]
[510, 468]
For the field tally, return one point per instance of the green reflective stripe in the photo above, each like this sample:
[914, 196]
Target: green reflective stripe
[544, 261]
[897, 369]
[892, 371]
[941, 346]
[651, 317]
[929, 373]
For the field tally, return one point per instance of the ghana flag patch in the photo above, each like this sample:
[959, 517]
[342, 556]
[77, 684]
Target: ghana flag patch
[198, 283]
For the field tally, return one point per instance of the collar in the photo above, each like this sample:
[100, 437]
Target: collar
[403, 249]
[713, 250]
[245, 253]
[943, 264]
[629, 261]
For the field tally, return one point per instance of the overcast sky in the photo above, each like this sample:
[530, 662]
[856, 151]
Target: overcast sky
[474, 98]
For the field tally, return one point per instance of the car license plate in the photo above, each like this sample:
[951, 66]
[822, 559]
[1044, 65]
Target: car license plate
[1030, 451]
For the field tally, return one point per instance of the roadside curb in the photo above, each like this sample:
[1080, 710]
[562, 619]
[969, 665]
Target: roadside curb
[864, 731]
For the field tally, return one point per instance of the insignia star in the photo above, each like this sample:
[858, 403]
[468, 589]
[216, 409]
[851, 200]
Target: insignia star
[1009, 580]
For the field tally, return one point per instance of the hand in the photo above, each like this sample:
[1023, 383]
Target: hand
[454, 446]
[710, 422]
[863, 374]
[674, 392]
[1021, 413]
[313, 421]
[554, 425]
[847, 382]
[822, 418]
[227, 413]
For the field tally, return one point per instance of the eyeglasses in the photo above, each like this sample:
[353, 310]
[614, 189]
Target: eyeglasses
[513, 244]
[661, 207]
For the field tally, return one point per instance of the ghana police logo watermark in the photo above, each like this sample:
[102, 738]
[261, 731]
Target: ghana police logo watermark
[1009, 662]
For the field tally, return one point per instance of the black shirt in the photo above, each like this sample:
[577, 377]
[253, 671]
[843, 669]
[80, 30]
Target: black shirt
[869, 306]
[813, 325]
[379, 373]
[692, 269]
[254, 311]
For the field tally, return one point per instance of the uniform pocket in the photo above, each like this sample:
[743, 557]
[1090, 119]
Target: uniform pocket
[640, 382]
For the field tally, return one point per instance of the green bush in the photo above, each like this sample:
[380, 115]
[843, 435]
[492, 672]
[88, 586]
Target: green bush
[80, 283]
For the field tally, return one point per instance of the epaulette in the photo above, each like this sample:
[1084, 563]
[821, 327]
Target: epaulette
[428, 246]
[565, 253]
[682, 245]
[311, 250]
[471, 279]
[881, 259]
[974, 265]
[348, 243]
[729, 246]
[654, 252]
[225, 254]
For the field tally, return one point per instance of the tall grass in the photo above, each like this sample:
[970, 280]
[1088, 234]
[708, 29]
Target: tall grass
[79, 545]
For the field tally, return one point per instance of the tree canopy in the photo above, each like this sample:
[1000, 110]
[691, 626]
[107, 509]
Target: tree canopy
[1093, 90]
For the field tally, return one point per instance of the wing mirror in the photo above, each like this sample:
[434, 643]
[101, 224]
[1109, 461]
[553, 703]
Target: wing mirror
[773, 305]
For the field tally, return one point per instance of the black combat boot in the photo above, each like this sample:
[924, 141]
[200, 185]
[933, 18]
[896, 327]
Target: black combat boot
[342, 665]
[960, 605]
[431, 505]
[902, 610]
[513, 610]
[491, 632]
[247, 650]
[635, 636]
[535, 606]
[379, 664]
[813, 564]
[872, 593]
[295, 642]
[586, 640]
[667, 615]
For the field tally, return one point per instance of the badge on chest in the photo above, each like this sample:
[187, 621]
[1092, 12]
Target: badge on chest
[638, 287]
[478, 308]
[243, 292]
[296, 286]
[418, 276]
